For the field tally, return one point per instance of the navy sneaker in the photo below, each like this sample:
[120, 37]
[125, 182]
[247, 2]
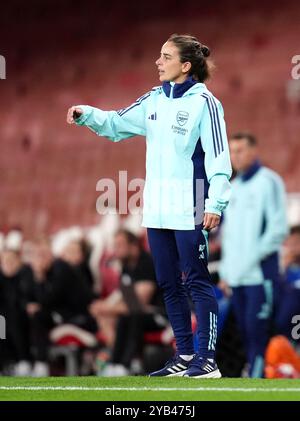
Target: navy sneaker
[176, 366]
[202, 368]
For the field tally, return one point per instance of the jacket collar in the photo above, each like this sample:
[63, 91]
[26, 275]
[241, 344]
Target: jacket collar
[178, 88]
[245, 176]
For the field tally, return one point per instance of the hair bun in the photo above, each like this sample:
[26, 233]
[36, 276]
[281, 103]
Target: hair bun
[205, 51]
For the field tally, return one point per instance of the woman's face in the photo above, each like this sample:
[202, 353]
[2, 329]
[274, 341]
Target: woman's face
[10, 263]
[169, 65]
[73, 253]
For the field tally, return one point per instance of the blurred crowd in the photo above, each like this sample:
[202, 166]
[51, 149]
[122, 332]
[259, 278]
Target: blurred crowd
[53, 300]
[52, 294]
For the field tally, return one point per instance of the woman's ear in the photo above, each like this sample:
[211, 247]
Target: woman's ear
[186, 67]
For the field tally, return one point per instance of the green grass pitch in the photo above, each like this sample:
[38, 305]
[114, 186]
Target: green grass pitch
[146, 389]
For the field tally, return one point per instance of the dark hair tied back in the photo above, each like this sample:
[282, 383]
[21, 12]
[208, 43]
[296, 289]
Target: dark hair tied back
[191, 50]
[205, 51]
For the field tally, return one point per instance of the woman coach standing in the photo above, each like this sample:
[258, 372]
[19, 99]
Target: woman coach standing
[187, 188]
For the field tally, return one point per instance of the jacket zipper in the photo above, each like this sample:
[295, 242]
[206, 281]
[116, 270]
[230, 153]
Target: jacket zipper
[160, 161]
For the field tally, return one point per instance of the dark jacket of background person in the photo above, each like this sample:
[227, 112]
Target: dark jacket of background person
[63, 291]
[16, 345]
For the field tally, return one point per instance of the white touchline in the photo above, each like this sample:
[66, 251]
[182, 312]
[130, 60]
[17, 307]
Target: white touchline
[159, 389]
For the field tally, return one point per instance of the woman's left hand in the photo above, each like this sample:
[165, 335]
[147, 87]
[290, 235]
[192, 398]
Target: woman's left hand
[211, 220]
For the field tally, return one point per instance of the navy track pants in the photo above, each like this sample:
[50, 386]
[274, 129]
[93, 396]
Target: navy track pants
[180, 260]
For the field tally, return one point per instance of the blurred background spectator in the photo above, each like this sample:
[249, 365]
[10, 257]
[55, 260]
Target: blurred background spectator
[15, 350]
[56, 295]
[254, 229]
[289, 302]
[132, 309]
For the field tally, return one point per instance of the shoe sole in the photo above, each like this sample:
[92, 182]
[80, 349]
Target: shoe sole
[179, 374]
[213, 375]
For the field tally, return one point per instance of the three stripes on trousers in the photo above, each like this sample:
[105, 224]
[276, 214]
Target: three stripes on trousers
[213, 320]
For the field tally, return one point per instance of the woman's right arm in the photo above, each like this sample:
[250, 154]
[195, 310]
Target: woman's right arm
[115, 125]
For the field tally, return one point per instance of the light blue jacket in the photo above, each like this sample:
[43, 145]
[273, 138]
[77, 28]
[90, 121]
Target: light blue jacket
[186, 141]
[254, 227]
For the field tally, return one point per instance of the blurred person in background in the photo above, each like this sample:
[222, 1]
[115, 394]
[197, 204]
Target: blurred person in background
[122, 326]
[254, 229]
[187, 148]
[289, 304]
[56, 295]
[13, 279]
[283, 352]
[77, 253]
